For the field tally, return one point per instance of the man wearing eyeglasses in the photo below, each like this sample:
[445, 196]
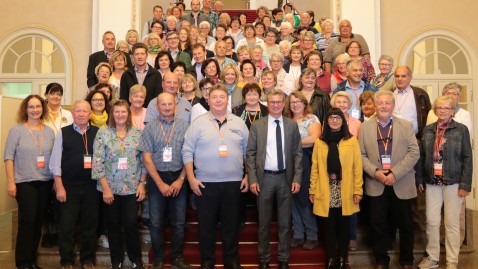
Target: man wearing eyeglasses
[178, 56]
[274, 169]
[389, 152]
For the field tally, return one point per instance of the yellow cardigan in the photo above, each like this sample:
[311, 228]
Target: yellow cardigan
[352, 181]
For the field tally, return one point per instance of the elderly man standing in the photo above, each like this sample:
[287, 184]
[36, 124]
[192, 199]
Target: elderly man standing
[390, 151]
[355, 86]
[70, 164]
[161, 143]
[213, 153]
[170, 85]
[337, 45]
[274, 168]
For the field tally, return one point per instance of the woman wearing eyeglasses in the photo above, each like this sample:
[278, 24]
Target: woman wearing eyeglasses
[98, 103]
[386, 79]
[336, 184]
[304, 223]
[444, 172]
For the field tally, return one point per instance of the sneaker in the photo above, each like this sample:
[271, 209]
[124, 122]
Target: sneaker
[296, 242]
[180, 263]
[103, 241]
[451, 266]
[310, 244]
[137, 266]
[427, 263]
[117, 266]
[353, 245]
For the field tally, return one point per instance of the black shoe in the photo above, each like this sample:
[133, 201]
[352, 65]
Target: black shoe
[35, 266]
[158, 265]
[296, 242]
[263, 265]
[207, 265]
[283, 265]
[180, 263]
[310, 244]
[117, 265]
[137, 265]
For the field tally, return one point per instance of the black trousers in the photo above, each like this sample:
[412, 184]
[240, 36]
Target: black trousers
[81, 207]
[32, 199]
[400, 211]
[219, 202]
[336, 232]
[122, 215]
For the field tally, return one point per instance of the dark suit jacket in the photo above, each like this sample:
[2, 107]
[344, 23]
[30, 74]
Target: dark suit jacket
[256, 151]
[153, 83]
[201, 17]
[405, 154]
[94, 60]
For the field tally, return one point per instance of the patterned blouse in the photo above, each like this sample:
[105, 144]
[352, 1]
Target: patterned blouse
[304, 124]
[108, 149]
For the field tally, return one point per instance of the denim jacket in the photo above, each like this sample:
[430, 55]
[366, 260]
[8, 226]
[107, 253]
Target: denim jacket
[457, 156]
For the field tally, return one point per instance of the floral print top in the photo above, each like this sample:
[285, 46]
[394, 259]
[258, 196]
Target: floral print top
[304, 124]
[109, 150]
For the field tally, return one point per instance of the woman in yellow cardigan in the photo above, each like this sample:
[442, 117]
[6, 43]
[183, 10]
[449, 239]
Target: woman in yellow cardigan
[336, 184]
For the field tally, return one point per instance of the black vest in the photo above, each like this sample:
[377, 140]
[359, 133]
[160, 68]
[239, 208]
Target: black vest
[72, 171]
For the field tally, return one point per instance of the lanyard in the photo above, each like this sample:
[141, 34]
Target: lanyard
[53, 121]
[85, 141]
[141, 122]
[217, 128]
[164, 134]
[357, 104]
[121, 142]
[38, 143]
[438, 141]
[249, 115]
[385, 144]
[399, 107]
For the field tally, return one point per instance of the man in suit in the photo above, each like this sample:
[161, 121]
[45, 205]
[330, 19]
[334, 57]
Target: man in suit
[143, 74]
[199, 55]
[390, 177]
[102, 56]
[274, 170]
[195, 17]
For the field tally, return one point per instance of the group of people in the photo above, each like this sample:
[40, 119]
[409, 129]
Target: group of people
[295, 116]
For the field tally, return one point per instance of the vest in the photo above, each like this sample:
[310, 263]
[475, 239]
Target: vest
[72, 171]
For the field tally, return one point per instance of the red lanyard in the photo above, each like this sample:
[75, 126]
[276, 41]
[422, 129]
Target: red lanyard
[217, 128]
[164, 134]
[38, 143]
[85, 141]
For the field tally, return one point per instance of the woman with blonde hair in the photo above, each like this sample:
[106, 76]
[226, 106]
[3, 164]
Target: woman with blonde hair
[188, 89]
[229, 77]
[131, 37]
[340, 70]
[155, 45]
[343, 101]
[118, 63]
[103, 72]
[137, 95]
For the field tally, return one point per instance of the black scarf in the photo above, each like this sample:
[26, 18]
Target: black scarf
[333, 161]
[204, 103]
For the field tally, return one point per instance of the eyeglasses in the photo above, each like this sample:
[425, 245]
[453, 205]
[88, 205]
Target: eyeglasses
[275, 102]
[275, 61]
[296, 103]
[172, 38]
[452, 94]
[98, 100]
[305, 40]
[444, 108]
[207, 89]
[384, 64]
[335, 118]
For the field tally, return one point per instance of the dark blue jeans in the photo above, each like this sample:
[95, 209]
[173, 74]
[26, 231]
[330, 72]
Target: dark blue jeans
[176, 206]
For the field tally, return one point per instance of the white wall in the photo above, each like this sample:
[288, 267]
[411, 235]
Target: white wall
[365, 21]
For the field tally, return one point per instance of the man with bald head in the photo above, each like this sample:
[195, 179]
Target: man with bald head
[161, 143]
[70, 164]
[337, 45]
[170, 85]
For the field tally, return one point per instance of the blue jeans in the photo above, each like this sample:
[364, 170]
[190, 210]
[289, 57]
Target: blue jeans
[176, 206]
[303, 220]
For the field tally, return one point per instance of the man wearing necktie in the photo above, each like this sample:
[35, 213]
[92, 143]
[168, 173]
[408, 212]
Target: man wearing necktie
[274, 157]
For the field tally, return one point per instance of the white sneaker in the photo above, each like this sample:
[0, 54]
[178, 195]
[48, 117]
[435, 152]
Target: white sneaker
[451, 266]
[427, 263]
[103, 241]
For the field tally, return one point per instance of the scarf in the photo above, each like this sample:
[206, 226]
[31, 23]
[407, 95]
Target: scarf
[153, 49]
[204, 103]
[99, 120]
[230, 89]
[440, 139]
[214, 79]
[333, 161]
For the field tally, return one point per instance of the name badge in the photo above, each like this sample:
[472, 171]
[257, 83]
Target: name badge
[87, 161]
[223, 151]
[356, 113]
[438, 169]
[122, 163]
[41, 161]
[386, 162]
[167, 154]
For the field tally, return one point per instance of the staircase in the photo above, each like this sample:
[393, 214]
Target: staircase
[299, 259]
